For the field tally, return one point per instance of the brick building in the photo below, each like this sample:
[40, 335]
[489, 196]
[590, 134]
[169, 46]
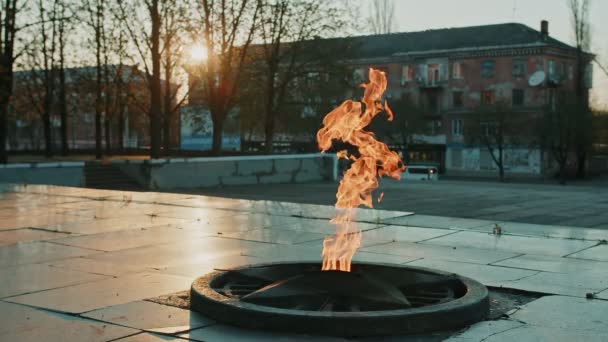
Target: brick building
[128, 109]
[452, 72]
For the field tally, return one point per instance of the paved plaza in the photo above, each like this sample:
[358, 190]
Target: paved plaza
[583, 204]
[89, 265]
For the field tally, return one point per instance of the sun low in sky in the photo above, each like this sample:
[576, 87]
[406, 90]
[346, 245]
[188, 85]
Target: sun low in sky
[198, 53]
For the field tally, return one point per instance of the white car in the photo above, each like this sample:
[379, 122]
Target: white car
[421, 172]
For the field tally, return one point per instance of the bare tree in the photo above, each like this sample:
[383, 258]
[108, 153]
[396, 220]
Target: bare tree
[42, 61]
[95, 17]
[8, 37]
[227, 29]
[382, 18]
[176, 23]
[145, 34]
[494, 127]
[62, 27]
[556, 133]
[289, 49]
[579, 15]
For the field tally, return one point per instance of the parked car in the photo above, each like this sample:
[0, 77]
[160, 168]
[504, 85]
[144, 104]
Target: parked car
[421, 172]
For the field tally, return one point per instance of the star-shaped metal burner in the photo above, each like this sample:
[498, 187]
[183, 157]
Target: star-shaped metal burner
[293, 296]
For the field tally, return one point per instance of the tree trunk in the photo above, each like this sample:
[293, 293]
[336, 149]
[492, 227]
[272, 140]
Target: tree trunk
[3, 126]
[98, 86]
[269, 133]
[562, 173]
[48, 143]
[121, 127]
[501, 166]
[106, 127]
[218, 128]
[581, 166]
[167, 133]
[155, 86]
[63, 112]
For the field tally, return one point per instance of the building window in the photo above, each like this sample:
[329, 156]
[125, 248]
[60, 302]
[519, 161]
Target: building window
[456, 127]
[458, 99]
[519, 68]
[518, 97]
[487, 69]
[407, 74]
[551, 68]
[457, 70]
[487, 97]
[435, 127]
[570, 72]
[488, 128]
[433, 74]
[358, 75]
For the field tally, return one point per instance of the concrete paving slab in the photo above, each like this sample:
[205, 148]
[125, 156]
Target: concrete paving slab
[529, 333]
[42, 220]
[221, 332]
[24, 324]
[420, 250]
[566, 313]
[38, 251]
[175, 254]
[321, 226]
[9, 237]
[483, 330]
[512, 243]
[151, 317]
[280, 236]
[541, 230]
[148, 337]
[195, 270]
[563, 283]
[277, 253]
[554, 264]
[100, 294]
[488, 275]
[22, 279]
[125, 239]
[95, 226]
[437, 222]
[403, 234]
[191, 214]
[599, 252]
[84, 264]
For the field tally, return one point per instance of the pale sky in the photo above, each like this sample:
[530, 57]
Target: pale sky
[417, 15]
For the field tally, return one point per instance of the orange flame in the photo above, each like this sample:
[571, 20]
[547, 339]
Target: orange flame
[347, 123]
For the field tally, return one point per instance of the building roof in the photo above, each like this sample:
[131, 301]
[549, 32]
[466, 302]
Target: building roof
[479, 37]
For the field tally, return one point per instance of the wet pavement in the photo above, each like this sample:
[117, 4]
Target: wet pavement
[82, 265]
[582, 204]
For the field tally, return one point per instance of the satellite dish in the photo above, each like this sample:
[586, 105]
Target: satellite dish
[537, 78]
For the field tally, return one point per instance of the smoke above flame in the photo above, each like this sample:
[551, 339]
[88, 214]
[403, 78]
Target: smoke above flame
[375, 159]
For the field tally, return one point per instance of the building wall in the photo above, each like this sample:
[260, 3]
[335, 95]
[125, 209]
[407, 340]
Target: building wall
[526, 158]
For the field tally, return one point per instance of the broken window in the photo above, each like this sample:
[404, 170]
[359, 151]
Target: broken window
[458, 99]
[487, 97]
[518, 97]
[487, 69]
[519, 67]
[457, 70]
[456, 127]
